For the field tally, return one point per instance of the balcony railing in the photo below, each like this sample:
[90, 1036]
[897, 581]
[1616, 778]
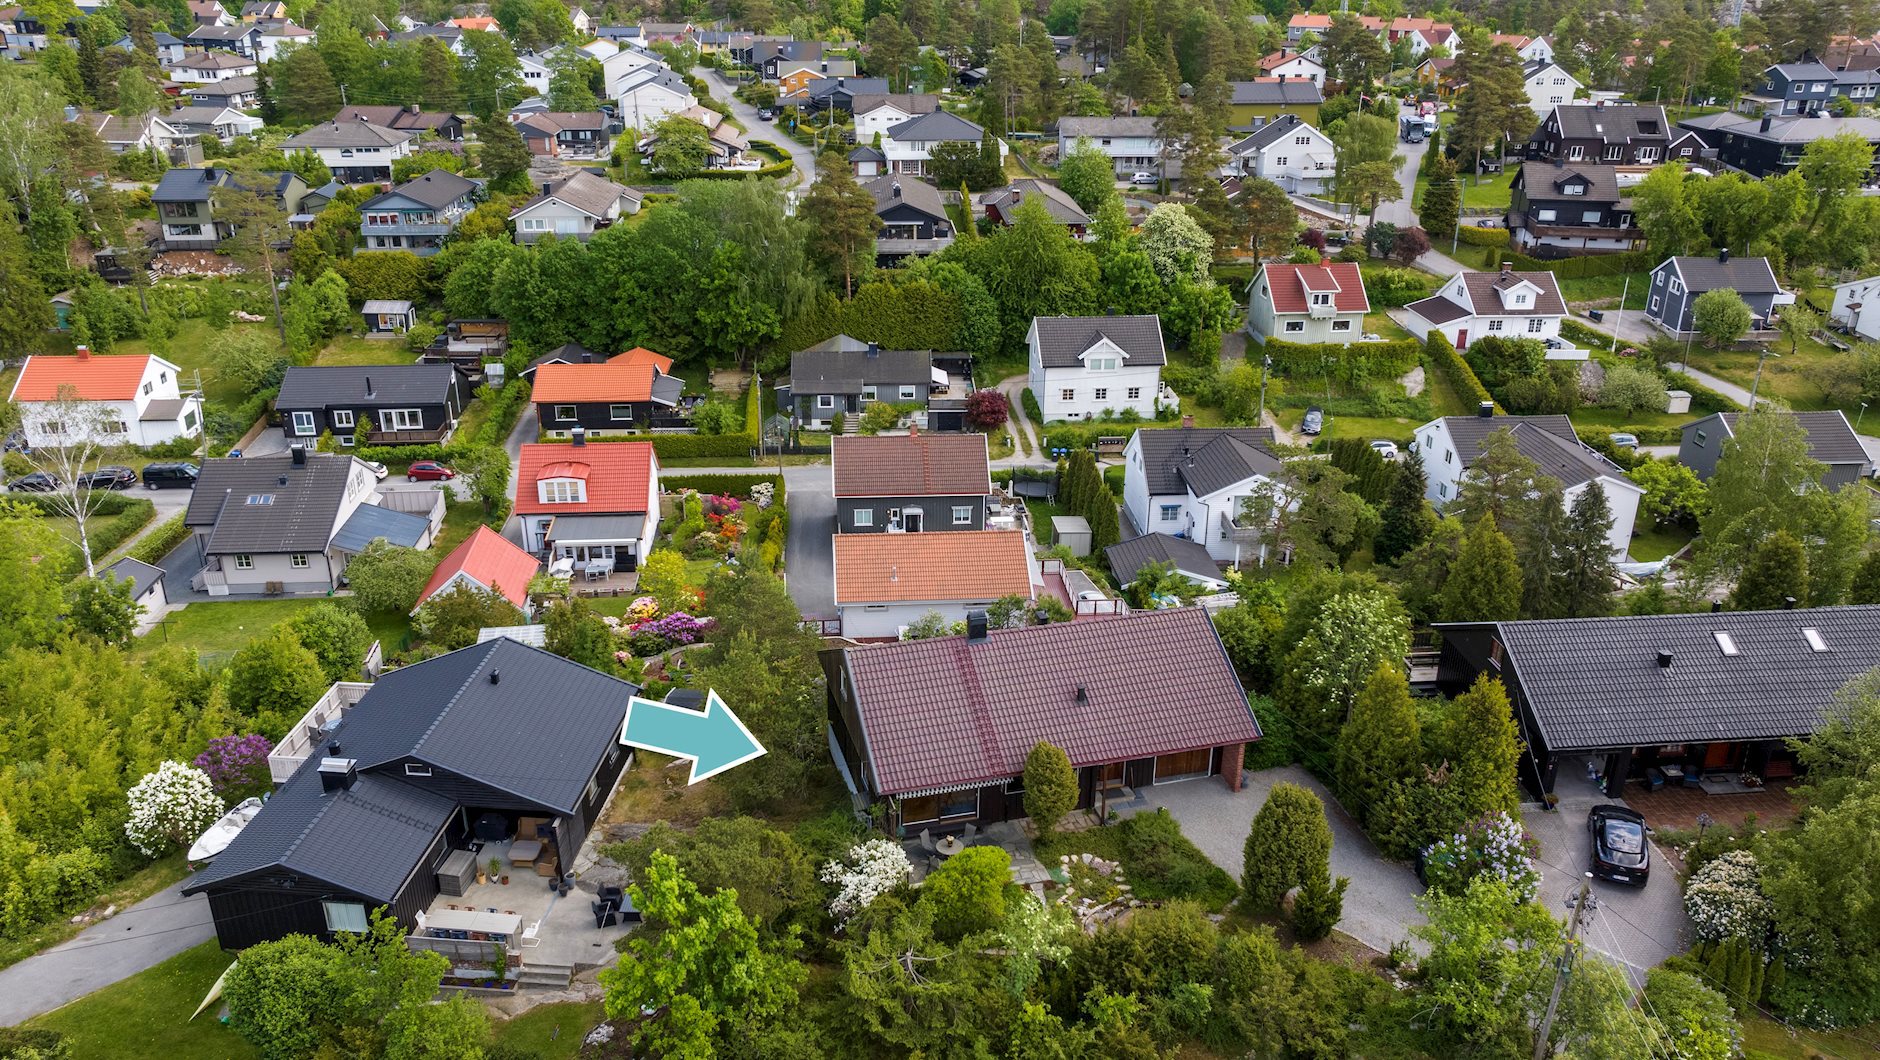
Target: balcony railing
[437, 229]
[381, 436]
[1322, 312]
[308, 735]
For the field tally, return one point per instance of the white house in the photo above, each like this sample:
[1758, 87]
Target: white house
[356, 151]
[650, 95]
[1307, 303]
[134, 400]
[1288, 152]
[1294, 65]
[1508, 304]
[1192, 483]
[575, 206]
[1084, 366]
[876, 114]
[207, 67]
[616, 68]
[1131, 143]
[276, 36]
[908, 144]
[1856, 307]
[886, 582]
[1449, 447]
[223, 123]
[535, 72]
[1549, 86]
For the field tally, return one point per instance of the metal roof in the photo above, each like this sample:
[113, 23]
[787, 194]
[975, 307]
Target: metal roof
[141, 575]
[375, 306]
[1188, 557]
[1596, 683]
[369, 522]
[357, 384]
[1063, 340]
[1830, 439]
[842, 365]
[596, 527]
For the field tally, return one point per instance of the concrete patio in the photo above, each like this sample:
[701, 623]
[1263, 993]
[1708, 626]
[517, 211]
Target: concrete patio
[1009, 836]
[566, 935]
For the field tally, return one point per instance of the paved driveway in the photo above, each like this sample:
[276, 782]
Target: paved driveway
[721, 89]
[152, 931]
[809, 560]
[1380, 905]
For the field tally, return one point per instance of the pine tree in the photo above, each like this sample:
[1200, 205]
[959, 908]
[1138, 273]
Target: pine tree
[1483, 749]
[1777, 570]
[1380, 742]
[1866, 587]
[1406, 520]
[1441, 199]
[1289, 844]
[1583, 565]
[1485, 583]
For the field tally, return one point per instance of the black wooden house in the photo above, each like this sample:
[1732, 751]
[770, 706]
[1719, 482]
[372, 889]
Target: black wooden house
[404, 404]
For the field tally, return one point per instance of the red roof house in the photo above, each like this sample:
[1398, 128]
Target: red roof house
[1308, 303]
[589, 503]
[488, 561]
[941, 727]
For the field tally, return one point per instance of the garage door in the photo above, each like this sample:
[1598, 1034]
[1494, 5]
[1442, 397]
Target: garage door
[1184, 766]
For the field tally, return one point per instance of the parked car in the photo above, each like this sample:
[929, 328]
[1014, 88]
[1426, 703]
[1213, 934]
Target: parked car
[1385, 448]
[1621, 440]
[234, 454]
[37, 482]
[1144, 178]
[1314, 421]
[1620, 852]
[16, 443]
[158, 476]
[428, 471]
[109, 478]
[378, 470]
[765, 114]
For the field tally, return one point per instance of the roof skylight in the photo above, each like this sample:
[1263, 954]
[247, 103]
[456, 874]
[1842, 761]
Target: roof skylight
[1725, 642]
[1813, 637]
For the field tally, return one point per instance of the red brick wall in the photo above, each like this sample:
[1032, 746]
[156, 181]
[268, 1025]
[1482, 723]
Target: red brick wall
[1233, 756]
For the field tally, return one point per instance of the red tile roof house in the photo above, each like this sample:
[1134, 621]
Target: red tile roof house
[940, 728]
[1307, 303]
[885, 582]
[628, 393]
[489, 562]
[136, 400]
[591, 504]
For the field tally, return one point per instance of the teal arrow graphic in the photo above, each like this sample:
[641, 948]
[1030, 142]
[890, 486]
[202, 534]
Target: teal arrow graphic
[714, 740]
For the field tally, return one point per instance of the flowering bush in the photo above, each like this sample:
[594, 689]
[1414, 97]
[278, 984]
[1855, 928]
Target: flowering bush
[171, 807]
[1494, 845]
[762, 494]
[642, 609]
[237, 766]
[1724, 899]
[880, 865]
[679, 628]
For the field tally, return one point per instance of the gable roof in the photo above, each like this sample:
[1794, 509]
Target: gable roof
[1272, 132]
[359, 384]
[1594, 683]
[948, 713]
[1292, 91]
[214, 60]
[583, 191]
[141, 575]
[299, 516]
[913, 192]
[1186, 555]
[914, 568]
[1484, 294]
[1544, 180]
[1073, 129]
[1790, 129]
[936, 125]
[618, 475]
[347, 134]
[1808, 71]
[1063, 340]
[1611, 124]
[550, 122]
[393, 116]
[642, 355]
[911, 465]
[583, 383]
[493, 561]
[909, 103]
[93, 377]
[843, 365]
[369, 522]
[227, 88]
[1742, 275]
[1549, 441]
[436, 189]
[1166, 452]
[538, 734]
[1289, 286]
[1830, 439]
[1062, 208]
[823, 87]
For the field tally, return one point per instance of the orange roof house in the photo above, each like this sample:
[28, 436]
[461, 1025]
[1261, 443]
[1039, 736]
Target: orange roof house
[887, 581]
[488, 561]
[642, 355]
[590, 502]
[92, 377]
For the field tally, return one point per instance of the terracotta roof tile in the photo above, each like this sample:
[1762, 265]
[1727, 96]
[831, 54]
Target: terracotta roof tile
[95, 378]
[612, 381]
[642, 355]
[618, 475]
[944, 565]
[1290, 283]
[944, 712]
[911, 465]
[495, 563]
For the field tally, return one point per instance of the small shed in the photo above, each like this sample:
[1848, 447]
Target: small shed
[62, 310]
[1677, 402]
[147, 590]
[1073, 532]
[387, 316]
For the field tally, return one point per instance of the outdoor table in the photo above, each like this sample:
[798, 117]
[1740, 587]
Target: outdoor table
[524, 852]
[949, 846]
[505, 925]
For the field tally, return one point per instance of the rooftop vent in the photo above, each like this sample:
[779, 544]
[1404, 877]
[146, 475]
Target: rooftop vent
[496, 677]
[1485, 410]
[976, 627]
[1082, 695]
[1664, 660]
[300, 454]
[1723, 256]
[337, 774]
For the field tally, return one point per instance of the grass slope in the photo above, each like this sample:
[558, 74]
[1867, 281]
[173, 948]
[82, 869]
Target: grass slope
[147, 1015]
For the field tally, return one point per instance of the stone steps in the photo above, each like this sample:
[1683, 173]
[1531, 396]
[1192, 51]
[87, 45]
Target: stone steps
[550, 975]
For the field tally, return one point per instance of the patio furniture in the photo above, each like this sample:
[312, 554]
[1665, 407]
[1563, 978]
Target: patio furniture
[532, 936]
[926, 840]
[523, 852]
[549, 866]
[949, 846]
[605, 915]
[457, 873]
[492, 827]
[1654, 779]
[971, 831]
[610, 893]
[535, 828]
[499, 926]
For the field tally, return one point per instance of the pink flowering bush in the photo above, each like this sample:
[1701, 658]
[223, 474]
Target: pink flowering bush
[678, 628]
[642, 609]
[237, 766]
[1494, 845]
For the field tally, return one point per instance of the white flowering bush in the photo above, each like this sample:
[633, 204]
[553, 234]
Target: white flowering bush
[171, 807]
[1494, 845]
[1724, 899]
[873, 869]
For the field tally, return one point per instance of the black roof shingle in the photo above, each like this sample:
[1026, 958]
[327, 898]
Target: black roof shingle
[1167, 452]
[355, 384]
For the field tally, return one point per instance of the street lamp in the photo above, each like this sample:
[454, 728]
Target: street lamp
[1266, 364]
[1857, 419]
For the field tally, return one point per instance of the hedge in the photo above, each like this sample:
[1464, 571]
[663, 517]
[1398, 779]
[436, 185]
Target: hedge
[735, 485]
[1482, 237]
[1032, 411]
[1703, 399]
[112, 522]
[1578, 332]
[1457, 370]
[160, 541]
[684, 446]
[775, 169]
[1584, 266]
[1358, 360]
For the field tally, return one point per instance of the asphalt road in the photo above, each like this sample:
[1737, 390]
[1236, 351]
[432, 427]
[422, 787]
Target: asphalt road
[152, 931]
[759, 129]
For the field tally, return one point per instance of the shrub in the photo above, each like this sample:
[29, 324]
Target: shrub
[1050, 786]
[170, 807]
[1289, 843]
[1032, 411]
[1353, 364]
[967, 892]
[1396, 287]
[1162, 864]
[1483, 237]
[1724, 899]
[1318, 907]
[1494, 845]
[237, 766]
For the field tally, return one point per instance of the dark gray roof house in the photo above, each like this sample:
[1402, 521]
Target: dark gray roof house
[1001, 203]
[1169, 456]
[1282, 92]
[1063, 340]
[1678, 281]
[1598, 132]
[269, 503]
[1831, 440]
[481, 738]
[1710, 695]
[1186, 556]
[935, 127]
[406, 403]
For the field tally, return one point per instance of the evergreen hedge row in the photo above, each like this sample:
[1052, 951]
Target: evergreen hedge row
[1703, 399]
[723, 485]
[1370, 360]
[1580, 267]
[1460, 375]
[1483, 237]
[160, 541]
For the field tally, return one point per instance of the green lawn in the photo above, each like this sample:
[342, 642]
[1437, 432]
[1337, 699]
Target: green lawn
[550, 1032]
[1633, 286]
[1655, 544]
[1396, 428]
[1799, 380]
[461, 519]
[1443, 396]
[148, 1014]
[189, 350]
[1491, 194]
[1589, 420]
[1765, 1037]
[218, 629]
[348, 349]
[1380, 323]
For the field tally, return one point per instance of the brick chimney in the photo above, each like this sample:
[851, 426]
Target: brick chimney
[84, 353]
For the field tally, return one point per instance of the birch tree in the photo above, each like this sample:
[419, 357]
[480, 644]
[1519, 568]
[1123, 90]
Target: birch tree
[79, 432]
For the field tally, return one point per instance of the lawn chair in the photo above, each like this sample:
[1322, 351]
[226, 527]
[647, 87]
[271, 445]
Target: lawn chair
[967, 836]
[532, 936]
[926, 841]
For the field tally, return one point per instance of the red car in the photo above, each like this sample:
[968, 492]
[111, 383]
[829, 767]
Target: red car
[428, 471]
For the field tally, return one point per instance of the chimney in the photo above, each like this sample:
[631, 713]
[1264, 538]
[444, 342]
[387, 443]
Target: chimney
[84, 353]
[1018, 195]
[496, 677]
[896, 189]
[1083, 696]
[545, 188]
[975, 626]
[874, 350]
[1788, 603]
[337, 774]
[300, 454]
[1507, 270]
[1664, 660]
[1765, 123]
[913, 430]
[1485, 410]
[332, 748]
[578, 436]
[1188, 421]
[894, 573]
[369, 391]
[1716, 607]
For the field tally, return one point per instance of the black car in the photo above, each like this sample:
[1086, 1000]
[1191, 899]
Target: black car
[157, 476]
[109, 478]
[1620, 852]
[1314, 421]
[37, 482]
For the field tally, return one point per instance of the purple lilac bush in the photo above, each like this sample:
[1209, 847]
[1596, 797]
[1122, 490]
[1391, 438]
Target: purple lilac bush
[237, 765]
[1494, 845]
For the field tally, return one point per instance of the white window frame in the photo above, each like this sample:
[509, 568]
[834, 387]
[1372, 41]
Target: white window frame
[1535, 324]
[863, 517]
[403, 420]
[962, 515]
[907, 393]
[564, 412]
[868, 393]
[613, 413]
[244, 561]
[1170, 513]
[298, 561]
[303, 424]
[342, 418]
[351, 916]
[825, 401]
[1295, 326]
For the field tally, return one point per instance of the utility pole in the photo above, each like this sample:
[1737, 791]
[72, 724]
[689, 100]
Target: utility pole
[1266, 362]
[342, 95]
[1583, 905]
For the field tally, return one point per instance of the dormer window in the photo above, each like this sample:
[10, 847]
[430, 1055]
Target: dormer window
[1104, 363]
[562, 491]
[1321, 299]
[1521, 298]
[1573, 189]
